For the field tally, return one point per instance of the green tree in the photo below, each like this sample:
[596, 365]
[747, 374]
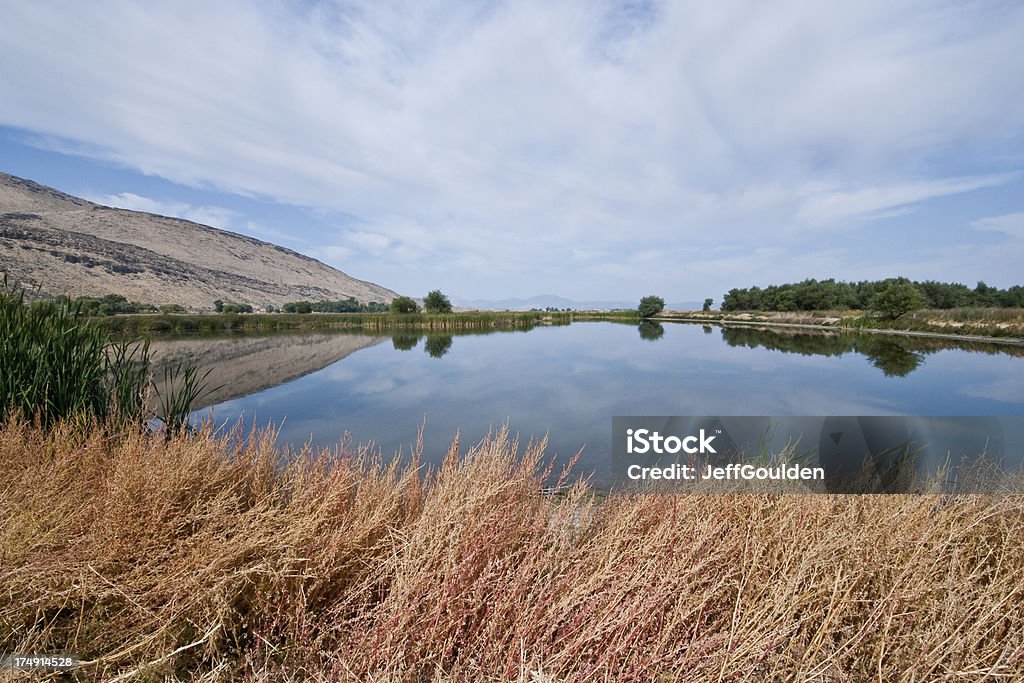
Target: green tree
[897, 297]
[985, 295]
[651, 306]
[436, 302]
[811, 295]
[218, 306]
[303, 307]
[404, 304]
[707, 304]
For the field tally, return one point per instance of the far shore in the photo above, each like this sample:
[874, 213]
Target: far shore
[995, 325]
[732, 322]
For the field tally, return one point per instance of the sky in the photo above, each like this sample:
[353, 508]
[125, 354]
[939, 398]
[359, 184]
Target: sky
[594, 150]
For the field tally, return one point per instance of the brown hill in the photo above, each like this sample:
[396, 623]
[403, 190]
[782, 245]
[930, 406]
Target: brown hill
[66, 245]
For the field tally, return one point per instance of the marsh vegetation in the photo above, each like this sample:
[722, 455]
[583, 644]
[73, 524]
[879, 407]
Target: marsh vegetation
[58, 365]
[204, 559]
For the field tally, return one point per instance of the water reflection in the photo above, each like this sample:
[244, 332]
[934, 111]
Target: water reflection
[868, 454]
[438, 345]
[651, 330]
[568, 382]
[895, 356]
[240, 365]
[888, 454]
[892, 358]
[405, 341]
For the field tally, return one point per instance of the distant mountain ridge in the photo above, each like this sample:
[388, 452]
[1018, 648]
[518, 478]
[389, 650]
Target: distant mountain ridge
[63, 244]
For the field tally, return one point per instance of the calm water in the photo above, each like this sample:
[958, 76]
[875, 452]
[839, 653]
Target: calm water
[568, 382]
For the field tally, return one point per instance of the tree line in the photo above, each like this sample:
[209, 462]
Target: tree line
[434, 302]
[820, 295]
[112, 304]
[349, 305]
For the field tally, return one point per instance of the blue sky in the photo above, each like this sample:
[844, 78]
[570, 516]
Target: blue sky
[588, 149]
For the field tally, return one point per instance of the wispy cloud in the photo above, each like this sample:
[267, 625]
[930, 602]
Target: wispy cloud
[893, 199]
[215, 216]
[489, 141]
[1011, 224]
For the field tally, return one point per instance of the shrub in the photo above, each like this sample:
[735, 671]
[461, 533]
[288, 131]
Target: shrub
[651, 306]
[404, 304]
[897, 297]
[111, 304]
[436, 302]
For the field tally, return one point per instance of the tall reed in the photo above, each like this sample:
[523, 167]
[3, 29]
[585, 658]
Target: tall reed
[182, 384]
[53, 365]
[57, 365]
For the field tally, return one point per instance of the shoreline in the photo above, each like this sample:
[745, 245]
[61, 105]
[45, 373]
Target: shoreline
[725, 322]
[164, 324]
[190, 324]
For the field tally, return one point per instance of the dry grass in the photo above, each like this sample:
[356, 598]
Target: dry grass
[199, 559]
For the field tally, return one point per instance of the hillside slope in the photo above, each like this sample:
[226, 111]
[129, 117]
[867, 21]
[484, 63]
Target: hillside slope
[66, 245]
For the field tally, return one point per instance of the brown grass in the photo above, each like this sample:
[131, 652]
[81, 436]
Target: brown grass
[203, 559]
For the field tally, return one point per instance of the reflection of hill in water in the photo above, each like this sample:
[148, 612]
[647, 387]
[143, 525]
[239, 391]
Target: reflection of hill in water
[244, 365]
[893, 355]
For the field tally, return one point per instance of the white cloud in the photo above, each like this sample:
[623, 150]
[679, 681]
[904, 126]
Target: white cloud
[489, 142]
[270, 234]
[1011, 224]
[368, 241]
[214, 216]
[833, 208]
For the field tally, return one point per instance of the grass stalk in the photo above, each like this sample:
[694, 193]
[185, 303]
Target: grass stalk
[205, 558]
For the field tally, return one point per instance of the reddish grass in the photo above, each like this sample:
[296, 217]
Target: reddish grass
[201, 560]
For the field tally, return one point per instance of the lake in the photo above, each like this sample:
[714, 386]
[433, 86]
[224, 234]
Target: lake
[568, 381]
